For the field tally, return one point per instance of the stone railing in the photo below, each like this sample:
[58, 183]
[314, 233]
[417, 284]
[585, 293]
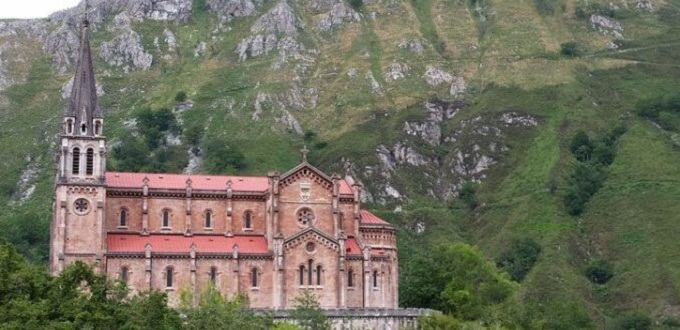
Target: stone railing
[366, 318]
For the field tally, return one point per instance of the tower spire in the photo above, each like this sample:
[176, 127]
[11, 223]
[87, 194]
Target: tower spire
[83, 107]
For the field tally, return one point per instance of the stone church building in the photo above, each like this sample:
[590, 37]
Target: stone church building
[267, 238]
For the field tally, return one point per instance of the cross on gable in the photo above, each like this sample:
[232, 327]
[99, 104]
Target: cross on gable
[304, 151]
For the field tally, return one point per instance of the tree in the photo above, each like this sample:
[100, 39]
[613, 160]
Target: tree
[307, 314]
[216, 312]
[599, 272]
[180, 97]
[221, 158]
[467, 195]
[519, 258]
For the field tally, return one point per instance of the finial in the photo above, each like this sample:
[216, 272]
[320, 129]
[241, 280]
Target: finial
[348, 167]
[304, 151]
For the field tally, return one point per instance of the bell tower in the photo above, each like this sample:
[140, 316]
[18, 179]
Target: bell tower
[78, 220]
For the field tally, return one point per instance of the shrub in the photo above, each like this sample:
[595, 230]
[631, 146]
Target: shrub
[585, 180]
[356, 4]
[571, 49]
[467, 195]
[308, 314]
[599, 272]
[180, 97]
[634, 321]
[519, 258]
[581, 146]
[220, 158]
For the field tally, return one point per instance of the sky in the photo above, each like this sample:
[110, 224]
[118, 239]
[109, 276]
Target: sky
[33, 8]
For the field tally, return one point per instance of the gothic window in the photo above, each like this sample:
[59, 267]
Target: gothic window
[97, 128]
[123, 218]
[305, 217]
[310, 270]
[169, 277]
[89, 166]
[302, 274]
[165, 219]
[248, 220]
[350, 278]
[76, 161]
[69, 126]
[83, 128]
[375, 279]
[208, 219]
[213, 275]
[253, 278]
[81, 206]
[124, 274]
[318, 274]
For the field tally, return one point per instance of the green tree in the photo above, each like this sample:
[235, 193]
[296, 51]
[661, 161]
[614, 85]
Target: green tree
[221, 158]
[519, 258]
[467, 195]
[216, 312]
[180, 97]
[307, 314]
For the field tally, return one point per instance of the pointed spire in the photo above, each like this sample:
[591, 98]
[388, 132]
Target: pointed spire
[83, 104]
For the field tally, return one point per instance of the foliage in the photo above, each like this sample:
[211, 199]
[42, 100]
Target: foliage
[356, 4]
[634, 321]
[599, 272]
[585, 180]
[180, 97]
[154, 124]
[220, 158]
[663, 110]
[308, 314]
[460, 282]
[585, 11]
[215, 312]
[467, 195]
[571, 49]
[518, 259]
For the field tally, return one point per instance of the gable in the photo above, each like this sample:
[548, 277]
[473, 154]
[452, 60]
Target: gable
[311, 234]
[310, 172]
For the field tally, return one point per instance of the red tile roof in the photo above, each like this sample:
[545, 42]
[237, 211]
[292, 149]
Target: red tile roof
[370, 218]
[345, 188]
[178, 181]
[182, 244]
[352, 246]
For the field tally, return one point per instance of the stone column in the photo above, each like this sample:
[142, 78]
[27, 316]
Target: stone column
[236, 288]
[342, 273]
[334, 206]
[194, 292]
[147, 266]
[61, 238]
[279, 273]
[356, 188]
[101, 229]
[229, 226]
[187, 216]
[145, 206]
[368, 283]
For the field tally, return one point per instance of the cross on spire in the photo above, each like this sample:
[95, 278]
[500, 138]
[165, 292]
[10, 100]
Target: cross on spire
[304, 151]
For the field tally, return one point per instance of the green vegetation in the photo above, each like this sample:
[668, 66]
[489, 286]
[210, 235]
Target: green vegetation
[599, 272]
[356, 4]
[467, 195]
[308, 314]
[222, 158]
[664, 111]
[181, 96]
[518, 259]
[571, 49]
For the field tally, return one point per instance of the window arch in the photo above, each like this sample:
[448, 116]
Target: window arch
[83, 128]
[89, 164]
[350, 278]
[248, 219]
[207, 219]
[375, 279]
[75, 166]
[213, 275]
[319, 269]
[254, 278]
[310, 270]
[123, 218]
[69, 126]
[165, 219]
[97, 127]
[302, 274]
[169, 274]
[124, 274]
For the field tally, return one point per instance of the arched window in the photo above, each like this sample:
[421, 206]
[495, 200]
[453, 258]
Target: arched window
[83, 128]
[350, 278]
[375, 278]
[97, 128]
[76, 161]
[123, 218]
[310, 270]
[69, 126]
[213, 275]
[124, 274]
[168, 277]
[248, 220]
[208, 219]
[318, 274]
[302, 274]
[89, 164]
[165, 219]
[253, 278]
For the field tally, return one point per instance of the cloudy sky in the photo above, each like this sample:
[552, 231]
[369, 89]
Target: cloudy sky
[33, 8]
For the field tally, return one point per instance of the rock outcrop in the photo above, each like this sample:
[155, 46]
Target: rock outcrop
[606, 25]
[126, 51]
[435, 76]
[279, 21]
[339, 14]
[430, 129]
[227, 10]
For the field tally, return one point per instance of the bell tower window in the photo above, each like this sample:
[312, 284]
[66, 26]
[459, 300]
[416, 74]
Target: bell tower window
[83, 128]
[89, 168]
[75, 166]
[69, 126]
[97, 128]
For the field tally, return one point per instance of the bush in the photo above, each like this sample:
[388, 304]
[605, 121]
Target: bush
[180, 97]
[467, 195]
[356, 4]
[599, 272]
[581, 146]
[585, 180]
[634, 321]
[571, 49]
[519, 258]
[308, 315]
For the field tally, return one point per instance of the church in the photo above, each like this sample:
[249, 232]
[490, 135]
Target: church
[268, 238]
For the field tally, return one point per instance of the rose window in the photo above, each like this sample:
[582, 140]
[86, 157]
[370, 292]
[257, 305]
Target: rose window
[81, 206]
[310, 247]
[305, 217]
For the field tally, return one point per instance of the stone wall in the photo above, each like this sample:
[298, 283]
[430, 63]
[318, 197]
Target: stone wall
[367, 319]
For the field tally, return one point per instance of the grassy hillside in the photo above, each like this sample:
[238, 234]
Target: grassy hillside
[508, 53]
